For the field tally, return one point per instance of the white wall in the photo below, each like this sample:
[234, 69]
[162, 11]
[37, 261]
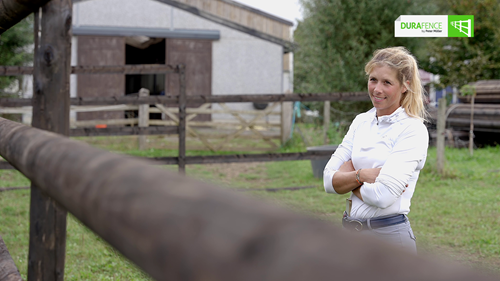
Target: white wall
[241, 63]
[128, 13]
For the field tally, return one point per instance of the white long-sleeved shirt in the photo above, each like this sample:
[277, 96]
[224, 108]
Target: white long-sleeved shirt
[398, 144]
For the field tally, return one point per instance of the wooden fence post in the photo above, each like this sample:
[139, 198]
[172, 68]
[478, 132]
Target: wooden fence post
[326, 121]
[471, 127]
[440, 143]
[143, 119]
[286, 121]
[182, 118]
[51, 101]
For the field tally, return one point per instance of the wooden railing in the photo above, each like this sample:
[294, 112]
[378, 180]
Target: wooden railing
[269, 126]
[173, 227]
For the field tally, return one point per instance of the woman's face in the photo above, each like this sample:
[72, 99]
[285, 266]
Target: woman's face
[385, 89]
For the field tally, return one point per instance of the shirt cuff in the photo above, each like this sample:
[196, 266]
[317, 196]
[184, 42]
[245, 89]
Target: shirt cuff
[327, 181]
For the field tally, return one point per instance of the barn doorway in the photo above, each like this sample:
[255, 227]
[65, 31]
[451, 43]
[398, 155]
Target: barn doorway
[144, 50]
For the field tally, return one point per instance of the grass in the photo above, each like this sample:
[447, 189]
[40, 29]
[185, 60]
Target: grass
[87, 256]
[456, 215]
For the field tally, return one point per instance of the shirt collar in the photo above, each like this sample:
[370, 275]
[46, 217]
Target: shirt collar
[396, 116]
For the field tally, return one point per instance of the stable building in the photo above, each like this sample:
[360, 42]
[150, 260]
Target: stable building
[227, 48]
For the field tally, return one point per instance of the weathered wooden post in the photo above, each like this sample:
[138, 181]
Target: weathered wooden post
[143, 119]
[51, 100]
[441, 126]
[471, 127]
[326, 121]
[182, 118]
[286, 120]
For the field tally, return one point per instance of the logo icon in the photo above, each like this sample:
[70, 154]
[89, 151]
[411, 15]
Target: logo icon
[461, 26]
[434, 26]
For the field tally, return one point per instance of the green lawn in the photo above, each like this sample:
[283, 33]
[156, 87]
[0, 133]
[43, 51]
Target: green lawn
[456, 216]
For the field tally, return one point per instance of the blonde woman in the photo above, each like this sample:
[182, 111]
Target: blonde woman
[380, 157]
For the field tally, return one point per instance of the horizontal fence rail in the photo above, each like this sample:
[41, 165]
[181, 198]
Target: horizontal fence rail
[13, 11]
[244, 158]
[100, 69]
[176, 228]
[123, 131]
[174, 100]
[235, 158]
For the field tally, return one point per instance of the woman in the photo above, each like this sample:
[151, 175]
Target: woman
[381, 156]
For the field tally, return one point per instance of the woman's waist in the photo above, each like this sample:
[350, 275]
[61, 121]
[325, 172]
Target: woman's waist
[361, 210]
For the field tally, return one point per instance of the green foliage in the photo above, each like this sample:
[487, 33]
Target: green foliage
[468, 90]
[337, 38]
[459, 61]
[15, 50]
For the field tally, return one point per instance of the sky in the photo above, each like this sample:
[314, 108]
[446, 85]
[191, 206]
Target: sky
[286, 9]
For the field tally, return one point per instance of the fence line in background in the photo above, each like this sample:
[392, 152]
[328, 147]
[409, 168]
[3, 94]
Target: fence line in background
[97, 69]
[240, 128]
[234, 158]
[195, 99]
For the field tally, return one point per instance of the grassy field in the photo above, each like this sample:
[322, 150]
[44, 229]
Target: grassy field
[456, 216]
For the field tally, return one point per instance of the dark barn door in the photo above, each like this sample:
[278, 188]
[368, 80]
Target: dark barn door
[196, 55]
[101, 50]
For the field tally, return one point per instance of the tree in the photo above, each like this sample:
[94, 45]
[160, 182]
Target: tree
[460, 61]
[336, 39]
[15, 50]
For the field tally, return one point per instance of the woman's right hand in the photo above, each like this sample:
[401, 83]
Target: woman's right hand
[369, 175]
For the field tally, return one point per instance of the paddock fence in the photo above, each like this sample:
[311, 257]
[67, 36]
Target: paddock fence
[174, 227]
[171, 226]
[169, 106]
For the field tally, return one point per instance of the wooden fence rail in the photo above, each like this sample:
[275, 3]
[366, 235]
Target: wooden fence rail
[197, 99]
[178, 228]
[98, 69]
[13, 11]
[234, 158]
[258, 127]
[173, 227]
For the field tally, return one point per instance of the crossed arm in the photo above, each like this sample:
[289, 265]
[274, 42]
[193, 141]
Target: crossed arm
[344, 180]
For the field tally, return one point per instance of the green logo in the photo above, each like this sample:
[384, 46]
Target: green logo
[460, 26]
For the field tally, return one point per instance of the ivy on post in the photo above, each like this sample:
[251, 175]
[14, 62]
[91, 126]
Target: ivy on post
[51, 100]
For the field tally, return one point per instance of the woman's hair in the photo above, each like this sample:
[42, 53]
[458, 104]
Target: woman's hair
[401, 60]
